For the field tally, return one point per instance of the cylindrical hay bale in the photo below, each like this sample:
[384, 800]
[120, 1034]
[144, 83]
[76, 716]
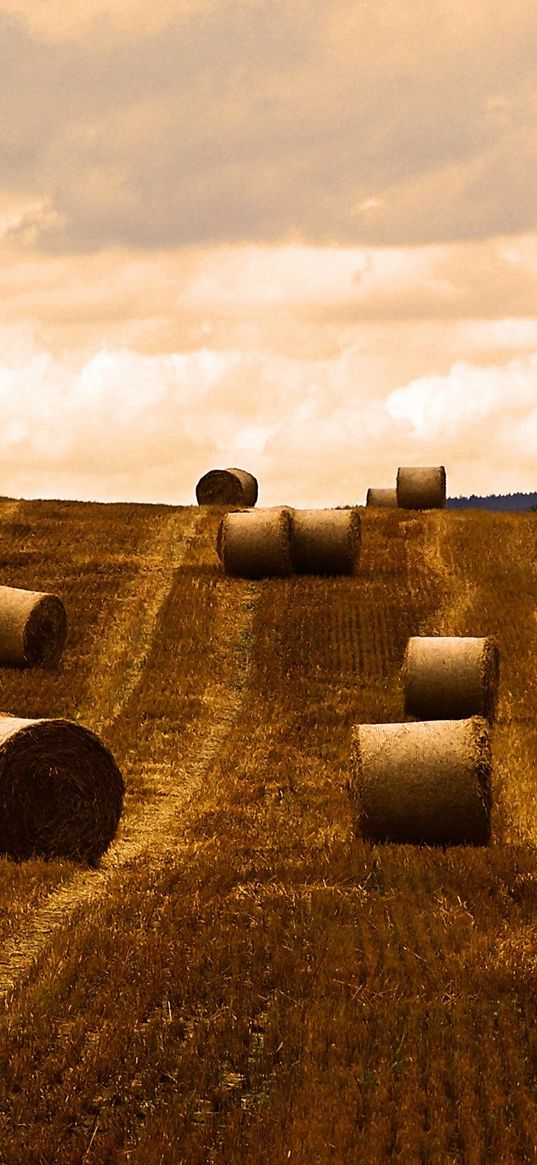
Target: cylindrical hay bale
[227, 487]
[387, 498]
[255, 543]
[421, 487]
[325, 541]
[33, 628]
[427, 782]
[450, 677]
[61, 792]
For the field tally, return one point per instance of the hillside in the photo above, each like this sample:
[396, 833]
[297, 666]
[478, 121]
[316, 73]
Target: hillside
[240, 981]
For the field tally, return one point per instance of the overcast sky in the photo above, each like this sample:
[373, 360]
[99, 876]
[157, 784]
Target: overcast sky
[296, 237]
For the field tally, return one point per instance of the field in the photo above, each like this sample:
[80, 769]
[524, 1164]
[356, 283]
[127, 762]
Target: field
[240, 980]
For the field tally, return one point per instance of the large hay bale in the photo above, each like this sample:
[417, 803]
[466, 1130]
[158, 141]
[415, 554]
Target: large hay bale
[33, 628]
[387, 498]
[450, 677]
[427, 782]
[227, 487]
[255, 543]
[421, 487]
[61, 792]
[325, 541]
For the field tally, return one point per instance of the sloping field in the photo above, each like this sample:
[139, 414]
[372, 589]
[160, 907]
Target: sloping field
[240, 981]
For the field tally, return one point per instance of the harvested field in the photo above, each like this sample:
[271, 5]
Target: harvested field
[241, 980]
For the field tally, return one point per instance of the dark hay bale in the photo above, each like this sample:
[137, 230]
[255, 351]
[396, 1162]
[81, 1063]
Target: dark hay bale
[325, 541]
[255, 543]
[427, 782]
[227, 487]
[421, 487]
[387, 498]
[449, 677]
[61, 792]
[33, 628]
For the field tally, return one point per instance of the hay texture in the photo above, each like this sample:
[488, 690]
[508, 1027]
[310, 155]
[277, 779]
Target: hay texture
[387, 498]
[325, 541]
[255, 543]
[427, 782]
[227, 487]
[61, 792]
[450, 677]
[421, 487]
[33, 628]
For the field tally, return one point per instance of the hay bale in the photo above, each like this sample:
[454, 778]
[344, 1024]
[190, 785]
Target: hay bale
[427, 782]
[61, 792]
[421, 487]
[450, 677]
[227, 487]
[33, 628]
[387, 498]
[255, 543]
[325, 541]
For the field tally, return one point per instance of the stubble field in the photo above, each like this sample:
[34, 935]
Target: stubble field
[241, 981]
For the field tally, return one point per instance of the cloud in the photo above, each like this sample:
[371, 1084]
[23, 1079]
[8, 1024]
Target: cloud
[480, 420]
[68, 22]
[456, 406]
[324, 122]
[127, 374]
[121, 425]
[303, 234]
[476, 300]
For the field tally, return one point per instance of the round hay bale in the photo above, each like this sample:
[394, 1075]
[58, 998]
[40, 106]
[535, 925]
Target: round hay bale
[427, 782]
[449, 677]
[325, 541]
[227, 487]
[421, 487]
[61, 792]
[387, 498]
[33, 628]
[255, 543]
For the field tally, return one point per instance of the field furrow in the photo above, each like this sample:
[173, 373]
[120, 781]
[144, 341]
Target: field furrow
[243, 982]
[177, 735]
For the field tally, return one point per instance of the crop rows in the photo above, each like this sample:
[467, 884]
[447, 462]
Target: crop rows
[253, 984]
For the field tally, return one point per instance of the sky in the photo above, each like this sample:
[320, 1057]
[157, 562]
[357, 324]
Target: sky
[300, 238]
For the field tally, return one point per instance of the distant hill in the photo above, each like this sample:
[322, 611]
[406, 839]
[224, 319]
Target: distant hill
[516, 501]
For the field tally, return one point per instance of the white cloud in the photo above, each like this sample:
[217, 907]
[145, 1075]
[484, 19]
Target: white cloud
[118, 424]
[449, 406]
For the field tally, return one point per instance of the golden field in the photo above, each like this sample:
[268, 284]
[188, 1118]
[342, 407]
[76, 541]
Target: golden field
[240, 980]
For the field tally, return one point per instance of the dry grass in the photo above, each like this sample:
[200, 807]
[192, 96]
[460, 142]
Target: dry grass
[269, 988]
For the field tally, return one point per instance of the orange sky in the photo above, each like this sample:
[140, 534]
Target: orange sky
[301, 238]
